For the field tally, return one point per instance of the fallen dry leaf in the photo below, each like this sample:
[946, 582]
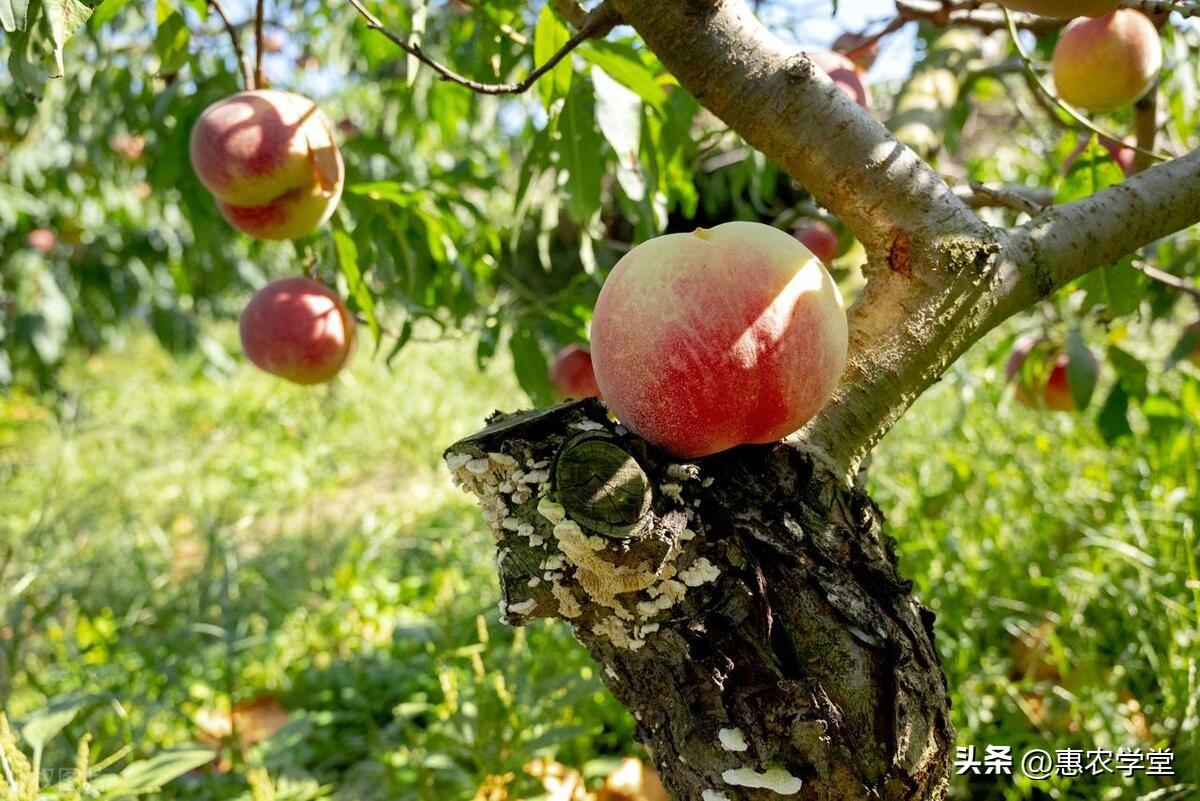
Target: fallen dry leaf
[253, 721]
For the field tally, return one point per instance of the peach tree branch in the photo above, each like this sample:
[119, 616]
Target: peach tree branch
[259, 81]
[235, 40]
[598, 23]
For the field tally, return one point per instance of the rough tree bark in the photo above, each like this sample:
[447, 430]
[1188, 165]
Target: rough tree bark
[747, 607]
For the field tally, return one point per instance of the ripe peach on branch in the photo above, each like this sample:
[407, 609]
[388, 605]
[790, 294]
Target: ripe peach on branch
[270, 159]
[298, 329]
[1108, 62]
[718, 338]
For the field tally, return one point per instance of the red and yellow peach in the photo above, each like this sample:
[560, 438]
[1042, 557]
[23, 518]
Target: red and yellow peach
[718, 338]
[1105, 63]
[298, 329]
[270, 159]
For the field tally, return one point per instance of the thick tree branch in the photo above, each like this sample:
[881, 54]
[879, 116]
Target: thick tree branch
[1068, 241]
[598, 23]
[787, 108]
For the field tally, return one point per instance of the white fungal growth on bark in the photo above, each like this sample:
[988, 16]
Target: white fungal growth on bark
[456, 461]
[732, 740]
[777, 780]
[699, 572]
[587, 425]
[568, 606]
[713, 795]
[673, 491]
[522, 607]
[683, 472]
[551, 511]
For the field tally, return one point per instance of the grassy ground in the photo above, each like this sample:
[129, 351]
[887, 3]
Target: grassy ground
[181, 547]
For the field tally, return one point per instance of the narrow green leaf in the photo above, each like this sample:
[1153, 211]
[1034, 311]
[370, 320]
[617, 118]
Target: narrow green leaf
[619, 115]
[347, 256]
[45, 724]
[621, 61]
[1187, 347]
[104, 12]
[14, 14]
[171, 42]
[158, 771]
[548, 38]
[531, 367]
[1082, 370]
[1113, 420]
[420, 16]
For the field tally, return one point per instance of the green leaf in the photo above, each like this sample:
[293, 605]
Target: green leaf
[14, 14]
[1113, 420]
[45, 724]
[171, 41]
[621, 61]
[548, 38]
[619, 115]
[104, 12]
[158, 771]
[1132, 373]
[420, 16]
[1092, 171]
[580, 148]
[1082, 370]
[1186, 348]
[531, 367]
[40, 29]
[347, 256]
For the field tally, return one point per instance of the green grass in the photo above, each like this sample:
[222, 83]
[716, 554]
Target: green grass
[172, 544]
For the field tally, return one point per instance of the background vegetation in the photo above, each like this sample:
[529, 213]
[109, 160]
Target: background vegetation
[176, 547]
[266, 592]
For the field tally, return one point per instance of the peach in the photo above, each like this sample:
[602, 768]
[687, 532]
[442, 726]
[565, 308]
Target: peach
[572, 374]
[817, 237]
[718, 338]
[1049, 387]
[1104, 63]
[1063, 9]
[845, 74]
[270, 159]
[298, 329]
[41, 239]
[1122, 153]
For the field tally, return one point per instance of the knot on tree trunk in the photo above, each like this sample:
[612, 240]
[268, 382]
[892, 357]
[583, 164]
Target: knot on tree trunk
[746, 607]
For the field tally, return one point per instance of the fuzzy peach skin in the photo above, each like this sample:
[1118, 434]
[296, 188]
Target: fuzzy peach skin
[718, 338]
[845, 74]
[1063, 9]
[572, 374]
[1108, 62]
[298, 329]
[270, 159]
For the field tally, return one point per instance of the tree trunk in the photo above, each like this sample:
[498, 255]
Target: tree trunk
[745, 607]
